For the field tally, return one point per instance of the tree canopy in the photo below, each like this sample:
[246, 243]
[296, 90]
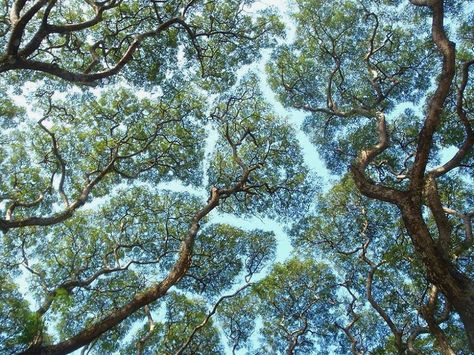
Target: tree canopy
[127, 126]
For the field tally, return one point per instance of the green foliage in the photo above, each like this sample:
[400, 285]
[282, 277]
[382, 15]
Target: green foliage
[339, 49]
[19, 325]
[222, 253]
[295, 302]
[252, 136]
[355, 233]
[169, 333]
[107, 192]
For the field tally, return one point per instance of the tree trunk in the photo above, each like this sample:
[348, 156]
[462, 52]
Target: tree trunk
[441, 272]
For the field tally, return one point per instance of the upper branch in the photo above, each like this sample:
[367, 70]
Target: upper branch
[437, 101]
[19, 23]
[469, 141]
[157, 290]
[46, 29]
[68, 75]
[363, 182]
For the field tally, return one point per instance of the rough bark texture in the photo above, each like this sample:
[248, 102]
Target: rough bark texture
[155, 292]
[433, 250]
[457, 287]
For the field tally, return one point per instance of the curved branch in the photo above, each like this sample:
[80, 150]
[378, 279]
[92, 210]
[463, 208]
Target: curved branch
[46, 29]
[208, 317]
[17, 62]
[6, 224]
[437, 101]
[411, 339]
[443, 224]
[295, 335]
[16, 204]
[19, 24]
[455, 161]
[398, 335]
[363, 182]
[427, 312]
[151, 327]
[156, 291]
[467, 221]
[60, 159]
[69, 285]
[355, 347]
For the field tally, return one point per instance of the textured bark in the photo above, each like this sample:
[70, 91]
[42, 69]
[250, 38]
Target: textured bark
[457, 287]
[150, 295]
[428, 314]
[140, 300]
[433, 250]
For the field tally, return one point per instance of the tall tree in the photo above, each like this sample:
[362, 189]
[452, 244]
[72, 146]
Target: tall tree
[382, 285]
[88, 231]
[127, 124]
[354, 66]
[86, 41]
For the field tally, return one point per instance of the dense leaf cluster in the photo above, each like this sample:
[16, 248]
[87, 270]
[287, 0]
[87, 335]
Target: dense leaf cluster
[127, 126]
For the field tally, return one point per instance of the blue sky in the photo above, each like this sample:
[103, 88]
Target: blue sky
[310, 155]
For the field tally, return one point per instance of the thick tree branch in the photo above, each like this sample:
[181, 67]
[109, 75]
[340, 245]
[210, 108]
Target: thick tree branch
[434, 202]
[21, 62]
[46, 29]
[467, 222]
[363, 182]
[19, 24]
[153, 293]
[427, 313]
[437, 101]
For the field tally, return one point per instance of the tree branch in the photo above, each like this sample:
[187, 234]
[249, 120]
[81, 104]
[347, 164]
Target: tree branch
[208, 317]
